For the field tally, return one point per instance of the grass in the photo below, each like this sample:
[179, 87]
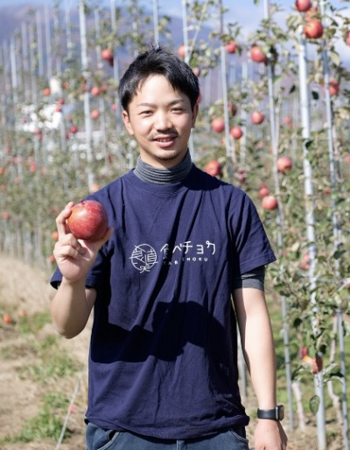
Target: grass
[45, 425]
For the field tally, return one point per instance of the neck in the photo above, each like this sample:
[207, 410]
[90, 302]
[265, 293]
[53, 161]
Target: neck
[155, 175]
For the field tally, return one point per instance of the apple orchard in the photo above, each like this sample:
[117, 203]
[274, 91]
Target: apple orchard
[274, 119]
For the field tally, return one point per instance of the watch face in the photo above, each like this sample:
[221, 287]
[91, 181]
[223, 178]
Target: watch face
[280, 412]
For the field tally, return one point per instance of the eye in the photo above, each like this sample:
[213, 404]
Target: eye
[146, 112]
[177, 110]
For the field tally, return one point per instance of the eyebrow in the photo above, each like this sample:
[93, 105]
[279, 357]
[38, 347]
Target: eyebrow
[173, 102]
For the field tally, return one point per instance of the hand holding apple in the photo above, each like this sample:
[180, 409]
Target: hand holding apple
[75, 254]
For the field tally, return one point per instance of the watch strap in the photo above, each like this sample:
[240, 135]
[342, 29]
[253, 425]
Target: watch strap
[276, 413]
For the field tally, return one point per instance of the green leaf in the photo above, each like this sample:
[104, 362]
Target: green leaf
[314, 404]
[335, 58]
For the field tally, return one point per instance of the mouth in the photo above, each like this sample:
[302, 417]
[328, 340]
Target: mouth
[165, 141]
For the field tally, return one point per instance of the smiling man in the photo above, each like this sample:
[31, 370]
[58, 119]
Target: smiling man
[181, 244]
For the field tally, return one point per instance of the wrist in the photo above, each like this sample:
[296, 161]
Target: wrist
[276, 413]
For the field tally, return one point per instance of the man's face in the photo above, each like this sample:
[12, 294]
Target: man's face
[160, 119]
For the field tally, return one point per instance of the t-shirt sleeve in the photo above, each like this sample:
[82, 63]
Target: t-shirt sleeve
[251, 243]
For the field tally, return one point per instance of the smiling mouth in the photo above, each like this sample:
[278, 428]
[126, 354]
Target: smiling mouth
[164, 140]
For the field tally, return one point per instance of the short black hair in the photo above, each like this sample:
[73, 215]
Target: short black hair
[158, 61]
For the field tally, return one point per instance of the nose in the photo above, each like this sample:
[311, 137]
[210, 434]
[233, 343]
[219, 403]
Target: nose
[163, 121]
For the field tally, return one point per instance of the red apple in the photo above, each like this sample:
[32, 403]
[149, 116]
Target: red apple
[218, 125]
[231, 47]
[316, 364]
[236, 132]
[51, 259]
[73, 129]
[257, 117]
[54, 235]
[7, 319]
[303, 351]
[5, 215]
[284, 164]
[95, 91]
[181, 51]
[288, 121]
[263, 192]
[47, 92]
[347, 40]
[107, 54]
[88, 220]
[333, 88]
[347, 159]
[305, 262]
[303, 5]
[257, 54]
[95, 114]
[313, 29]
[269, 202]
[61, 101]
[213, 168]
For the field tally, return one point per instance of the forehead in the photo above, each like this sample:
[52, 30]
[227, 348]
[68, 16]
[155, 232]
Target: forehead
[156, 87]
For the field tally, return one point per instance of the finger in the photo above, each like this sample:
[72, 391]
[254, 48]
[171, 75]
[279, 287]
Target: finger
[62, 218]
[67, 250]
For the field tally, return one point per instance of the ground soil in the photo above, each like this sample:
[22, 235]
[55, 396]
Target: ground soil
[24, 289]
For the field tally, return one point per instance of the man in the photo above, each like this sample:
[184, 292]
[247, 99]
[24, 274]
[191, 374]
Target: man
[163, 355]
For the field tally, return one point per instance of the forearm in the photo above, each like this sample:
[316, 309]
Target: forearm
[260, 355]
[71, 307]
[258, 345]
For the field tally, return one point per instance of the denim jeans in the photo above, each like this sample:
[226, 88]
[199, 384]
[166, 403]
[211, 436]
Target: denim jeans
[101, 439]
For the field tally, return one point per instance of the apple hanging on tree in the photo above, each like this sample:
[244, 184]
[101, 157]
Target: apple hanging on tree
[181, 51]
[303, 5]
[313, 29]
[284, 164]
[257, 54]
[269, 202]
[107, 55]
[88, 220]
[231, 47]
[218, 125]
[213, 168]
[347, 39]
[257, 117]
[236, 132]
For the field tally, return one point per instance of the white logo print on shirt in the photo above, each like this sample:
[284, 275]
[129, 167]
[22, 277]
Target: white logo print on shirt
[144, 257]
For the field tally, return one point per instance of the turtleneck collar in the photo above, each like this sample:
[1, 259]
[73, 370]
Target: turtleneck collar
[174, 174]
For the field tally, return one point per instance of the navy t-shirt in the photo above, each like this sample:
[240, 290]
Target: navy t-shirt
[163, 354]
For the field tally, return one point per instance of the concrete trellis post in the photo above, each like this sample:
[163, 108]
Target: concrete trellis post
[85, 70]
[310, 223]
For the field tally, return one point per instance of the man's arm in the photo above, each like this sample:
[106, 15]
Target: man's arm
[71, 308]
[259, 353]
[72, 304]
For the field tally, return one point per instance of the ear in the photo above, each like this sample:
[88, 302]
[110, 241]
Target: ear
[194, 114]
[127, 123]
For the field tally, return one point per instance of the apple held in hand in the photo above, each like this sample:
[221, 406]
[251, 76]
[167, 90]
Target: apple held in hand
[88, 220]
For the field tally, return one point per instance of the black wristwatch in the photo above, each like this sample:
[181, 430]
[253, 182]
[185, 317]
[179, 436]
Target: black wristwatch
[273, 414]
